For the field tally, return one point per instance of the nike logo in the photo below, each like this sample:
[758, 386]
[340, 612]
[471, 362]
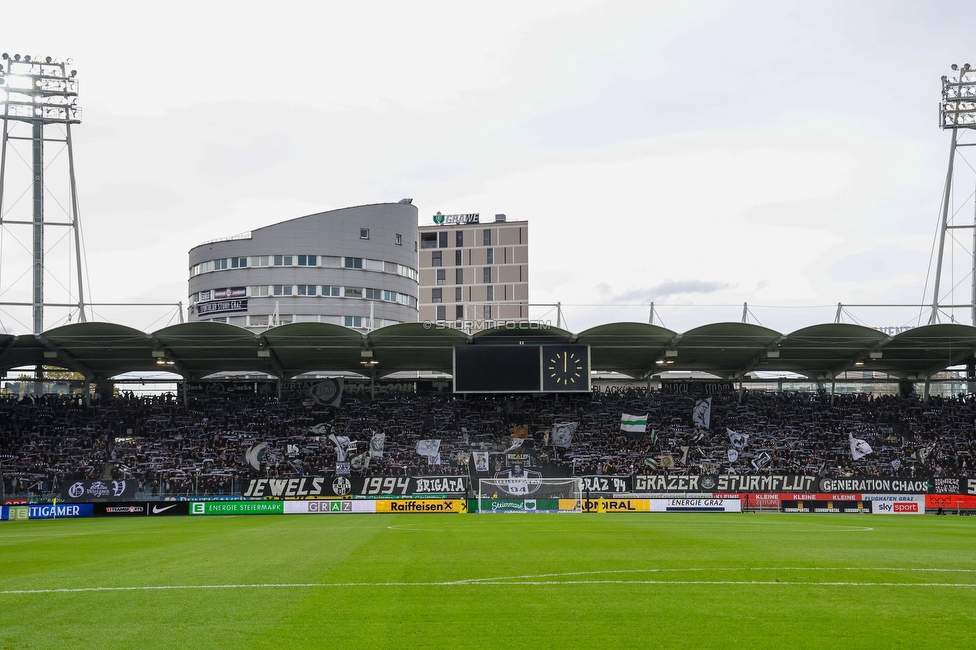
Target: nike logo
[157, 509]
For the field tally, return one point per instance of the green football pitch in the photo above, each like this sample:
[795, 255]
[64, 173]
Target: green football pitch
[490, 581]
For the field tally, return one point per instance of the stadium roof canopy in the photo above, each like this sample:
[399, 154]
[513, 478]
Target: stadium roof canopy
[100, 351]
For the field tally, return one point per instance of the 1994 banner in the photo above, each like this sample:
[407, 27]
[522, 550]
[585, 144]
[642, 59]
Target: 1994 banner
[379, 487]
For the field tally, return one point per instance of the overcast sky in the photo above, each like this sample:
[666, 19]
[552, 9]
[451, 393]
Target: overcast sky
[784, 154]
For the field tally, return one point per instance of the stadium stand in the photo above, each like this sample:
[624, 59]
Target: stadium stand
[200, 447]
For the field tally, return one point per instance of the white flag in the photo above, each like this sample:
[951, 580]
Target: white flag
[738, 440]
[733, 455]
[562, 434]
[428, 447]
[376, 445]
[761, 460]
[633, 423]
[435, 459]
[341, 445]
[480, 461]
[859, 448]
[701, 416]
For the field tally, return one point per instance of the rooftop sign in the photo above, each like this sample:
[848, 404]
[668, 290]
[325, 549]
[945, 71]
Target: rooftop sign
[455, 219]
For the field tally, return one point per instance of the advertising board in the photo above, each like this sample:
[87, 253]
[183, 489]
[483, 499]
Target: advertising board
[236, 507]
[455, 506]
[827, 507]
[696, 505]
[329, 507]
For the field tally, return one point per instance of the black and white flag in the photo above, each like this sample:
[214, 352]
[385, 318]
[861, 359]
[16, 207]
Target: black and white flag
[701, 416]
[859, 448]
[341, 444]
[562, 434]
[761, 460]
[738, 440]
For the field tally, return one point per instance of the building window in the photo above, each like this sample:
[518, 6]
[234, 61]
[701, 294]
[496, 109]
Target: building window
[283, 260]
[435, 259]
[491, 256]
[238, 262]
[437, 295]
[354, 262]
[390, 296]
[306, 290]
[442, 239]
[441, 312]
[372, 294]
[440, 276]
[354, 321]
[491, 292]
[260, 290]
[353, 292]
[457, 258]
[487, 311]
[220, 265]
[328, 290]
[307, 260]
[364, 233]
[399, 239]
[487, 237]
[428, 240]
[282, 289]
[459, 312]
[457, 294]
[458, 276]
[487, 275]
[459, 238]
[260, 260]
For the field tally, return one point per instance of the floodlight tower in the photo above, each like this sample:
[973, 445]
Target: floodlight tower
[39, 92]
[957, 113]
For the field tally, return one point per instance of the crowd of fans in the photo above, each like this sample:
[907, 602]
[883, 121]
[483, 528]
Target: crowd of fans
[171, 447]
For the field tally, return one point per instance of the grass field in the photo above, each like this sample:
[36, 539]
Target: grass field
[490, 581]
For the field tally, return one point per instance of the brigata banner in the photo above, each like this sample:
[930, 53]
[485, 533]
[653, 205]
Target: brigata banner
[696, 505]
[236, 507]
[382, 487]
[456, 506]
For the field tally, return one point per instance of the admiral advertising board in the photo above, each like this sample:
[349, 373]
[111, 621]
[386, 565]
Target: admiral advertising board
[368, 487]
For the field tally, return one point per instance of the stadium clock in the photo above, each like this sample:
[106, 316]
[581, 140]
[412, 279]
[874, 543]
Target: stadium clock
[565, 368]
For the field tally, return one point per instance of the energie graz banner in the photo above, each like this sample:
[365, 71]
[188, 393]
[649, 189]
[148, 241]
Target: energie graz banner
[317, 487]
[778, 483]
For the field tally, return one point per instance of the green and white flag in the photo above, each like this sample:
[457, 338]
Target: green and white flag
[376, 445]
[633, 423]
[651, 463]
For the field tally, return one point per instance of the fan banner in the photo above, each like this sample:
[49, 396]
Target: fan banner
[363, 487]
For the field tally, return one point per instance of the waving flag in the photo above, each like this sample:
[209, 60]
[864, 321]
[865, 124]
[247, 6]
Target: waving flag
[633, 423]
[701, 416]
[859, 448]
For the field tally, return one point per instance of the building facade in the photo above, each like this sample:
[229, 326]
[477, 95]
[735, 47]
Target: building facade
[355, 267]
[474, 274]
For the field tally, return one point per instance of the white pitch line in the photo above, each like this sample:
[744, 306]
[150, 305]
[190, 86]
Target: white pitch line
[320, 585]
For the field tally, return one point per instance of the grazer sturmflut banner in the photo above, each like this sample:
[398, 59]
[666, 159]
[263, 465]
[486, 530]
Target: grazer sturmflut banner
[780, 483]
[317, 487]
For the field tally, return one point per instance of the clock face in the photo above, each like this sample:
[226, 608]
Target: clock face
[565, 369]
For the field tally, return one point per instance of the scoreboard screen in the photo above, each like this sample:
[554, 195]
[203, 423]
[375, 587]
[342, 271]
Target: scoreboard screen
[521, 368]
